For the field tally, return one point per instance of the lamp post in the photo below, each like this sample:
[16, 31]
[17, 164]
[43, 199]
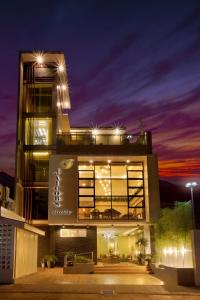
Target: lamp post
[191, 186]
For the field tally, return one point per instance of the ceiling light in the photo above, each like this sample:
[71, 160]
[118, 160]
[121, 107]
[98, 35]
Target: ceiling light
[95, 131]
[117, 130]
[39, 59]
[128, 161]
[64, 87]
[61, 68]
[109, 161]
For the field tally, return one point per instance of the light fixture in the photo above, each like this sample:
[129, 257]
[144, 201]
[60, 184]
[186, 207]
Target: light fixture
[128, 161]
[39, 59]
[91, 161]
[64, 87]
[117, 130]
[60, 68]
[95, 131]
[58, 104]
[58, 87]
[40, 153]
[191, 184]
[109, 161]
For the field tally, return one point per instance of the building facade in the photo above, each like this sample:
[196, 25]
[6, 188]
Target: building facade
[93, 190]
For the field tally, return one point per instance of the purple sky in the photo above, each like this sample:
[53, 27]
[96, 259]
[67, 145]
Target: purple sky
[127, 61]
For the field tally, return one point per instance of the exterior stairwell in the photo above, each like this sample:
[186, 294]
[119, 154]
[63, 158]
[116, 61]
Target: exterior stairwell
[119, 269]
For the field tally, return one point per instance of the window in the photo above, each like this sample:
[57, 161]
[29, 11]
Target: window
[38, 131]
[111, 191]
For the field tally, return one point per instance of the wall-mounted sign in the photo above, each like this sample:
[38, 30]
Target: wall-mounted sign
[63, 189]
[73, 232]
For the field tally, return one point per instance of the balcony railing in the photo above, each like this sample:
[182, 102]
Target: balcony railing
[103, 139]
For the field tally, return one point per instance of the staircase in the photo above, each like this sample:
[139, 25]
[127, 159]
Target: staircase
[119, 269]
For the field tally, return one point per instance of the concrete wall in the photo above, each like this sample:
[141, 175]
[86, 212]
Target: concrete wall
[26, 245]
[153, 188]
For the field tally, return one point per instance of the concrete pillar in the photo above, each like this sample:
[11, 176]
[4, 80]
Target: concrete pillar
[148, 238]
[196, 255]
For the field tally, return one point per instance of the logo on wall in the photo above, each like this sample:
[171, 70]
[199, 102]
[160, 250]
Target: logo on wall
[65, 164]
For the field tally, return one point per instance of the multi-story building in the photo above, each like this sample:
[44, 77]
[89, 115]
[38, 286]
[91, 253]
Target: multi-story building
[91, 189]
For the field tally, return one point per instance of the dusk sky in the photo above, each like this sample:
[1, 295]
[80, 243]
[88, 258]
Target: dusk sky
[126, 60]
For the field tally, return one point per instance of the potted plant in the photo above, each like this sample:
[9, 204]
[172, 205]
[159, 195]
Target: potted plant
[50, 260]
[42, 262]
[69, 258]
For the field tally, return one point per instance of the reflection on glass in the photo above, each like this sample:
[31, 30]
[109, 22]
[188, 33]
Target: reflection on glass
[86, 201]
[135, 174]
[136, 213]
[119, 187]
[86, 174]
[135, 191]
[118, 171]
[136, 202]
[136, 183]
[86, 191]
[86, 183]
[135, 167]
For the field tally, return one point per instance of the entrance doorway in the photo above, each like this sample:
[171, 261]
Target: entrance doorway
[118, 244]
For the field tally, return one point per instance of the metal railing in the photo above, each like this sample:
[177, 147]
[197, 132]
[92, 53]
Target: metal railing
[103, 139]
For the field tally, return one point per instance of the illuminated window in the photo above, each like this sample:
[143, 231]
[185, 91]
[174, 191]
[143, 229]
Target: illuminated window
[114, 191]
[38, 131]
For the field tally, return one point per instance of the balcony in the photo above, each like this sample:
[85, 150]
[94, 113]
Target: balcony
[85, 143]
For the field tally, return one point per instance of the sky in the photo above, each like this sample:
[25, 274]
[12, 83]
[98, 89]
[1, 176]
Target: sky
[127, 62]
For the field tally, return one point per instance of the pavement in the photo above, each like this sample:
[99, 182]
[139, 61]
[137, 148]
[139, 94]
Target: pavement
[53, 284]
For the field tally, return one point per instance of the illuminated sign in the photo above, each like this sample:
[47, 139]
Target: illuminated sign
[63, 181]
[73, 232]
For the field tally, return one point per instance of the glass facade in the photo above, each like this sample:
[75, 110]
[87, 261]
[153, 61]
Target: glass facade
[38, 131]
[111, 191]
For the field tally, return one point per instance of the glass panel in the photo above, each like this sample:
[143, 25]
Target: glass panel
[39, 100]
[136, 174]
[86, 201]
[38, 131]
[86, 191]
[135, 183]
[86, 182]
[118, 172]
[103, 206]
[85, 213]
[40, 203]
[119, 207]
[119, 187]
[136, 201]
[103, 187]
[136, 213]
[102, 171]
[86, 174]
[40, 168]
[135, 192]
[135, 167]
[86, 167]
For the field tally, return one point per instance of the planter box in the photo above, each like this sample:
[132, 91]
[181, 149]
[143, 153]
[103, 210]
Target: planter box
[174, 276]
[79, 268]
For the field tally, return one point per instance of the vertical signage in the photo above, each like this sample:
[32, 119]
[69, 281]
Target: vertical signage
[63, 189]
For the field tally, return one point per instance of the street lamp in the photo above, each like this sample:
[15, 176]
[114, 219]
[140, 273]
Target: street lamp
[191, 186]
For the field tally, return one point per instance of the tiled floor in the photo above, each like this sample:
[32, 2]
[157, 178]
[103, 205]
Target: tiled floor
[52, 284]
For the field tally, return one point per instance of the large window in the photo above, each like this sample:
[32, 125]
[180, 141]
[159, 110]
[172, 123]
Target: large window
[39, 203]
[111, 191]
[39, 99]
[38, 131]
